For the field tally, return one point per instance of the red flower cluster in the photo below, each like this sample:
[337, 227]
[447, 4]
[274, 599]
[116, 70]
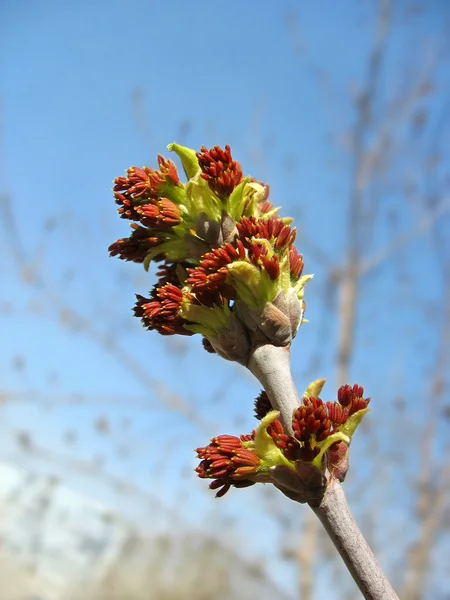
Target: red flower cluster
[295, 262]
[278, 233]
[352, 398]
[311, 419]
[272, 229]
[161, 311]
[262, 405]
[136, 246]
[227, 462]
[320, 419]
[316, 419]
[258, 256]
[198, 248]
[161, 212]
[289, 445]
[138, 196]
[169, 169]
[212, 273]
[143, 184]
[221, 172]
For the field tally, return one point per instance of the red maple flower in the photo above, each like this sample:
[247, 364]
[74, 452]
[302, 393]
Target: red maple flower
[311, 419]
[135, 247]
[262, 405]
[258, 256]
[228, 463]
[295, 262]
[307, 452]
[338, 414]
[169, 169]
[211, 274]
[286, 443]
[221, 172]
[351, 397]
[140, 183]
[161, 311]
[126, 206]
[272, 229]
[160, 212]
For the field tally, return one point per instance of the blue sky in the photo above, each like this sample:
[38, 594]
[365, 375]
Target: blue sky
[88, 89]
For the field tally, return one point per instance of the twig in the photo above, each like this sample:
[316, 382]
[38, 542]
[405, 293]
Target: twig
[271, 366]
[338, 522]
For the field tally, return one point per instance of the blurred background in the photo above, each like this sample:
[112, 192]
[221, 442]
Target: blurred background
[344, 109]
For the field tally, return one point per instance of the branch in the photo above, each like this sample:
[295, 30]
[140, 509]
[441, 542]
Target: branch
[271, 366]
[338, 522]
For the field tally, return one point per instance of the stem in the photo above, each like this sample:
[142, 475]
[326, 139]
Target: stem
[271, 366]
[338, 521]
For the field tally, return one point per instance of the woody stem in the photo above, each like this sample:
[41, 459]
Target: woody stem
[335, 516]
[271, 365]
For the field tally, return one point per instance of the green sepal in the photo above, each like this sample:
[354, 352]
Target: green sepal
[176, 193]
[284, 279]
[188, 158]
[349, 427]
[236, 202]
[314, 389]
[200, 199]
[174, 249]
[266, 449]
[147, 261]
[252, 196]
[253, 286]
[338, 436]
[208, 321]
[300, 284]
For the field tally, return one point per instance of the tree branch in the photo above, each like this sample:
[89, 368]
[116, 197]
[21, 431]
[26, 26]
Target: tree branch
[271, 366]
[338, 522]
